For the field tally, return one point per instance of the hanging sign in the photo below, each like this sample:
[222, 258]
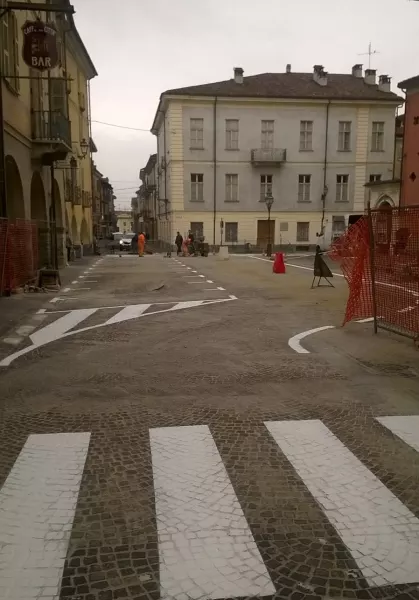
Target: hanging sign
[40, 50]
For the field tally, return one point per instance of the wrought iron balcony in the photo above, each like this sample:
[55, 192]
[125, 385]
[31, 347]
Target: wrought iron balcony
[268, 156]
[52, 131]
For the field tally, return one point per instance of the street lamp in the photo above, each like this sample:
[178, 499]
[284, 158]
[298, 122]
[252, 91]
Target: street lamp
[84, 147]
[269, 201]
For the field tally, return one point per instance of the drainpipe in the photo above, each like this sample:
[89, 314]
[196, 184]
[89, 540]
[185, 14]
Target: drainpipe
[215, 170]
[325, 189]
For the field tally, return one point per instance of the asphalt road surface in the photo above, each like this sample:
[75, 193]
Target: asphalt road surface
[161, 438]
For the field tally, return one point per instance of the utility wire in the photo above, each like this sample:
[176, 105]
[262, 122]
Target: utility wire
[121, 126]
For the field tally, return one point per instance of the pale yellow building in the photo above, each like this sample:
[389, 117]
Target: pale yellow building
[311, 141]
[47, 121]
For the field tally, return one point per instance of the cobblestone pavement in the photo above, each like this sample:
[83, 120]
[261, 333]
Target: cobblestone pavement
[178, 448]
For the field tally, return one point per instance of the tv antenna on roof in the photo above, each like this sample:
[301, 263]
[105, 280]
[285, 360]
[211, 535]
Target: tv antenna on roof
[370, 53]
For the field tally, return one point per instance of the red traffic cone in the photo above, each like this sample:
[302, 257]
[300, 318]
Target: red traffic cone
[279, 265]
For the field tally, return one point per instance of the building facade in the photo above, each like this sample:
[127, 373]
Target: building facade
[103, 209]
[124, 221]
[311, 140]
[152, 217]
[46, 122]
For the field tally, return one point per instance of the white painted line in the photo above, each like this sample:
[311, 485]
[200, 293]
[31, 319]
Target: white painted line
[89, 281]
[61, 328]
[81, 288]
[221, 288]
[12, 341]
[25, 330]
[407, 309]
[291, 265]
[233, 297]
[41, 311]
[368, 320]
[40, 318]
[200, 523]
[195, 282]
[294, 342]
[190, 268]
[55, 300]
[201, 276]
[211, 289]
[85, 273]
[190, 276]
[74, 282]
[66, 290]
[37, 507]
[209, 281]
[380, 531]
[129, 312]
[405, 427]
[194, 271]
[81, 276]
[56, 329]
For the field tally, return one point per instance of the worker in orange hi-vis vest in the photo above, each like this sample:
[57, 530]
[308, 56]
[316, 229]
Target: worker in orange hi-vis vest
[141, 244]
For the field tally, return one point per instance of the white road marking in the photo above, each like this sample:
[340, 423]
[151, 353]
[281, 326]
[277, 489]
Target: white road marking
[37, 507]
[66, 290]
[90, 281]
[85, 273]
[368, 320]
[291, 265]
[294, 342]
[407, 309]
[81, 276]
[405, 427]
[194, 282]
[380, 532]
[210, 552]
[209, 281]
[12, 341]
[74, 282]
[194, 271]
[190, 276]
[221, 288]
[61, 328]
[211, 289]
[127, 313]
[41, 311]
[25, 330]
[55, 300]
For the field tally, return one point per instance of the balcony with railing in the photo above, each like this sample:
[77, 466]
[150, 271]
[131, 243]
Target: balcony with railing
[51, 133]
[268, 156]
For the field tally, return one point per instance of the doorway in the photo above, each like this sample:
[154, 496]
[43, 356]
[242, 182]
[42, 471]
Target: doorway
[263, 237]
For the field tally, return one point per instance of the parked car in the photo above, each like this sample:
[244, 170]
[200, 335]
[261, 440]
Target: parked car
[125, 241]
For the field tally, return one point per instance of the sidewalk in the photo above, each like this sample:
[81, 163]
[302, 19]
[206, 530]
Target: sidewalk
[15, 309]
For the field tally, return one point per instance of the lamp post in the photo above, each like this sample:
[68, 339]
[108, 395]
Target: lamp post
[221, 231]
[269, 201]
[84, 147]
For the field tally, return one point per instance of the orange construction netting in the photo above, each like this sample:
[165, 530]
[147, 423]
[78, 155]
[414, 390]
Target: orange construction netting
[18, 253]
[392, 271]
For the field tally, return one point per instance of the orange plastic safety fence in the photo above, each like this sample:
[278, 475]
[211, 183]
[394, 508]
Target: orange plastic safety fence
[18, 253]
[395, 266]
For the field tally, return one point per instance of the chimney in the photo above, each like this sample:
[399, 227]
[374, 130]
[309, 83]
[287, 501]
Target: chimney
[288, 68]
[320, 75]
[384, 83]
[370, 76]
[238, 74]
[357, 71]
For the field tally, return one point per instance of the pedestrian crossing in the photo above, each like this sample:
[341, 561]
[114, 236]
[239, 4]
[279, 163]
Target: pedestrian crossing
[209, 545]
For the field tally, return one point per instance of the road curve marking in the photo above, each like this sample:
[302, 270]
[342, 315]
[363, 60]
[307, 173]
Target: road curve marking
[294, 342]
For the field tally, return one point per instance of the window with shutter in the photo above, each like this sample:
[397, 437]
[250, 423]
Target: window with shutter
[58, 96]
[5, 46]
[15, 48]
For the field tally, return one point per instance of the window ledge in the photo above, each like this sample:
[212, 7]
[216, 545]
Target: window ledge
[232, 149]
[197, 201]
[377, 150]
[306, 150]
[339, 150]
[194, 148]
[232, 201]
[304, 201]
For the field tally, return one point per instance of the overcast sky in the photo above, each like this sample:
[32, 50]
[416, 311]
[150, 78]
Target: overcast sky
[141, 48]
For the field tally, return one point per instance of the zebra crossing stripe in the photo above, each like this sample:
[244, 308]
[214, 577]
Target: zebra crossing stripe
[405, 427]
[380, 532]
[37, 507]
[206, 547]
